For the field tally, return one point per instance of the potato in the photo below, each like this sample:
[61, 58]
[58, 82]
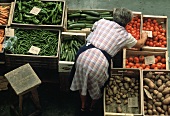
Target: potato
[119, 109]
[108, 103]
[159, 82]
[166, 101]
[115, 90]
[155, 92]
[169, 111]
[127, 79]
[154, 112]
[149, 83]
[149, 75]
[167, 95]
[162, 77]
[150, 112]
[168, 83]
[146, 87]
[158, 103]
[166, 91]
[165, 107]
[161, 88]
[159, 95]
[149, 106]
[159, 109]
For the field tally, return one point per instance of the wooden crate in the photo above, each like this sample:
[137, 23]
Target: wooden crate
[65, 66]
[85, 29]
[49, 26]
[10, 13]
[133, 105]
[163, 21]
[148, 95]
[134, 53]
[36, 61]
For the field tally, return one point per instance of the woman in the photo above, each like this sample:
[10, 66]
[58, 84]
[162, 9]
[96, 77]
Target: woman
[93, 60]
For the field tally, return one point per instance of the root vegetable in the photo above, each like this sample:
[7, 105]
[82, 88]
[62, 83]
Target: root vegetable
[149, 83]
[149, 75]
[165, 107]
[159, 109]
[127, 79]
[161, 88]
[159, 95]
[115, 90]
[119, 109]
[166, 91]
[158, 103]
[159, 82]
[155, 112]
[168, 83]
[155, 92]
[166, 101]
[150, 112]
[146, 87]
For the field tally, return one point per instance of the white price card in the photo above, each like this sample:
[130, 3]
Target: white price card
[35, 10]
[34, 50]
[133, 102]
[9, 32]
[149, 59]
[86, 29]
[148, 94]
[149, 33]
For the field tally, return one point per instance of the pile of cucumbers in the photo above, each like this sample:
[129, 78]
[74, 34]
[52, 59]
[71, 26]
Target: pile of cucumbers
[85, 18]
[69, 47]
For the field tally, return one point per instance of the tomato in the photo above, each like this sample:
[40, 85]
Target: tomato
[143, 65]
[141, 58]
[159, 58]
[150, 43]
[140, 67]
[164, 43]
[137, 65]
[154, 21]
[153, 66]
[131, 64]
[163, 38]
[156, 60]
[156, 68]
[154, 33]
[130, 59]
[163, 66]
[155, 38]
[147, 68]
[163, 30]
[159, 65]
[136, 60]
[163, 60]
[127, 66]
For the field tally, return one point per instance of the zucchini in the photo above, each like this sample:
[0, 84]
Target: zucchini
[92, 18]
[77, 25]
[93, 13]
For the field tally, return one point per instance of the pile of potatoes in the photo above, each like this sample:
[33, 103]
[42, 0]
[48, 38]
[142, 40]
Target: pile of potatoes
[118, 90]
[158, 87]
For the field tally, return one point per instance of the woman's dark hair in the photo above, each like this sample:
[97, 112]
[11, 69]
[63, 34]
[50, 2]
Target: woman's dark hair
[122, 16]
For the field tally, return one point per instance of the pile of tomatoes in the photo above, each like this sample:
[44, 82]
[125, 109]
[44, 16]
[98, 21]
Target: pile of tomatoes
[158, 33]
[133, 27]
[139, 62]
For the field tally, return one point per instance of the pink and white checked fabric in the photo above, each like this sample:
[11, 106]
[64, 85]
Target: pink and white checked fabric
[91, 65]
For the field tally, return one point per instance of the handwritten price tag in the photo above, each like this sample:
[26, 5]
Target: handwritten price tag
[9, 32]
[149, 60]
[149, 33]
[34, 50]
[35, 10]
[133, 102]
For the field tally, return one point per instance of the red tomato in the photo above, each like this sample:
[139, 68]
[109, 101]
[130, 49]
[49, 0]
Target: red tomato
[143, 66]
[131, 64]
[164, 43]
[154, 33]
[130, 59]
[159, 65]
[136, 60]
[150, 43]
[156, 60]
[163, 60]
[159, 58]
[163, 66]
[141, 58]
[153, 66]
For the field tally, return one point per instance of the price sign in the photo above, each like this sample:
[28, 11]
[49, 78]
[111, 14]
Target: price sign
[149, 33]
[148, 94]
[9, 32]
[149, 59]
[133, 102]
[34, 50]
[35, 10]
[86, 29]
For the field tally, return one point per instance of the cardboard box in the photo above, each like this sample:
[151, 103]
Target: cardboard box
[129, 102]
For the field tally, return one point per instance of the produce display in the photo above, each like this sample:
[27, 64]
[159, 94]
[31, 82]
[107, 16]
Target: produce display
[81, 19]
[134, 27]
[121, 88]
[2, 32]
[50, 12]
[156, 93]
[158, 38]
[46, 40]
[4, 14]
[139, 62]
[69, 47]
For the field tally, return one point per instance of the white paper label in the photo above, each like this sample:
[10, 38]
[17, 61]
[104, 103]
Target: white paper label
[149, 59]
[35, 10]
[148, 94]
[34, 50]
[149, 33]
[86, 29]
[9, 32]
[133, 102]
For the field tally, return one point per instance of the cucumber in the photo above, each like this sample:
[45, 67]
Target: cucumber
[92, 18]
[74, 15]
[108, 18]
[84, 15]
[77, 25]
[85, 21]
[93, 13]
[105, 13]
